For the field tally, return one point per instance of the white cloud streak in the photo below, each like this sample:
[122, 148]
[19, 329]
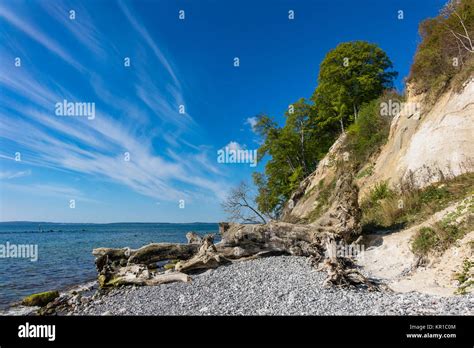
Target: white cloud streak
[146, 36]
[36, 34]
[13, 175]
[96, 148]
[81, 27]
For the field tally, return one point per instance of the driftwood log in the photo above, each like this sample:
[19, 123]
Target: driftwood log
[319, 240]
[141, 275]
[341, 271]
[193, 238]
[119, 266]
[147, 254]
[206, 257]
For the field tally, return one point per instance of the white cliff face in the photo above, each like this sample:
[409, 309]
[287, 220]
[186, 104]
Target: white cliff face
[444, 141]
[426, 146]
[423, 148]
[439, 143]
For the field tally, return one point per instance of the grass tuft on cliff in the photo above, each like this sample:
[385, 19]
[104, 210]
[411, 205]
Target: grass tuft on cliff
[465, 277]
[385, 208]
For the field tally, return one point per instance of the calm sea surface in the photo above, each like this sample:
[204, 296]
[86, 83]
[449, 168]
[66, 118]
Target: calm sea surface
[64, 251]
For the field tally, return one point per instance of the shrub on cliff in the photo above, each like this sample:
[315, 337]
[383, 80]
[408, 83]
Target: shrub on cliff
[384, 208]
[446, 49]
[370, 129]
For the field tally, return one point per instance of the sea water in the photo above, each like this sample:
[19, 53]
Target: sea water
[63, 251]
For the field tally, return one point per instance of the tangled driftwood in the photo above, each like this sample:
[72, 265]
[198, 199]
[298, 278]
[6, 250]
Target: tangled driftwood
[341, 271]
[244, 241]
[206, 257]
[239, 242]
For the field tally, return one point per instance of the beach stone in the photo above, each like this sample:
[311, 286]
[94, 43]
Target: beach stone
[279, 285]
[40, 299]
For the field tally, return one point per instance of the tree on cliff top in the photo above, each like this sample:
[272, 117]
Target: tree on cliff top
[350, 75]
[295, 150]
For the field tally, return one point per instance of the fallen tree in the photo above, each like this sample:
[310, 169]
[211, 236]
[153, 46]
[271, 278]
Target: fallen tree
[340, 224]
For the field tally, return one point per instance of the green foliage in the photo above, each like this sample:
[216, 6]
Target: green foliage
[443, 39]
[324, 194]
[438, 237]
[268, 200]
[371, 129]
[424, 241]
[385, 208]
[310, 129]
[378, 209]
[434, 193]
[448, 234]
[367, 171]
[295, 149]
[380, 191]
[465, 277]
[350, 75]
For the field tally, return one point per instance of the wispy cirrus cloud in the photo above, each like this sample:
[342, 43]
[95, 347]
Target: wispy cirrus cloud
[50, 190]
[123, 124]
[35, 33]
[13, 175]
[148, 39]
[81, 27]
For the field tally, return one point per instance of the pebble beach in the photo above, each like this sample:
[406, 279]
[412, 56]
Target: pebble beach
[282, 285]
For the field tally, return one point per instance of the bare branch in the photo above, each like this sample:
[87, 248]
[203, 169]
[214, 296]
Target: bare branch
[461, 41]
[465, 30]
[237, 206]
[449, 10]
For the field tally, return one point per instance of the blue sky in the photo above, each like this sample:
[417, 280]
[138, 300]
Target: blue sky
[190, 62]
